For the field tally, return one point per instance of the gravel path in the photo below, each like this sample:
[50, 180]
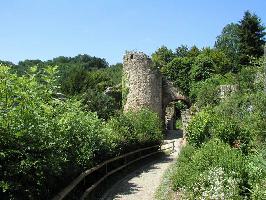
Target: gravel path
[142, 183]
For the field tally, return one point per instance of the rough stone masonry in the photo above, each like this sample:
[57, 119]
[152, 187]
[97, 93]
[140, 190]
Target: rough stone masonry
[144, 86]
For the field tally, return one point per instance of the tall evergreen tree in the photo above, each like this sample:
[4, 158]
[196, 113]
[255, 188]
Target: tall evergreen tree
[251, 36]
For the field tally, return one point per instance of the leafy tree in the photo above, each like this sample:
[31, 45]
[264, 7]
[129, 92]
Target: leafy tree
[202, 68]
[251, 37]
[46, 142]
[101, 79]
[162, 56]
[95, 101]
[182, 51]
[2, 62]
[178, 72]
[72, 80]
[193, 52]
[222, 64]
[229, 43]
[24, 66]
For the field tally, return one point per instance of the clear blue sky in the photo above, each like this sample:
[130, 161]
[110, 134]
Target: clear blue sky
[45, 29]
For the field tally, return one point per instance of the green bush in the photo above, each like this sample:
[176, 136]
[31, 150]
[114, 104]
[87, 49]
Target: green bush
[243, 115]
[198, 130]
[46, 142]
[214, 171]
[42, 138]
[206, 93]
[104, 105]
[256, 168]
[232, 121]
[230, 131]
[127, 131]
[147, 126]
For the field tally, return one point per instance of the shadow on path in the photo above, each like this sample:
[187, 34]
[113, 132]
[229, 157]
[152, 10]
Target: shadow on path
[145, 178]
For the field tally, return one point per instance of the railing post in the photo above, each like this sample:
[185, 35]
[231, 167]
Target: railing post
[125, 162]
[81, 178]
[173, 146]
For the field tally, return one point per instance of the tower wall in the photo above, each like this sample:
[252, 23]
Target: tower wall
[142, 84]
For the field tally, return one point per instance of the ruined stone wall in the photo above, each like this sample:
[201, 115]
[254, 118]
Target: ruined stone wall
[186, 118]
[142, 84]
[227, 90]
[170, 116]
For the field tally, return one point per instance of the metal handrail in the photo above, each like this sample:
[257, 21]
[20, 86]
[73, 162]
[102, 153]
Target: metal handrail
[62, 194]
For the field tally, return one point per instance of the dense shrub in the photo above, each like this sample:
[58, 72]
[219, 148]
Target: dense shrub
[45, 142]
[230, 131]
[199, 128]
[42, 137]
[178, 71]
[238, 121]
[214, 171]
[202, 68]
[247, 111]
[256, 168]
[206, 93]
[127, 131]
[104, 105]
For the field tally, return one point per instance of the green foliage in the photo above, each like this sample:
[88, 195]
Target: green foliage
[104, 105]
[247, 110]
[202, 68]
[257, 174]
[230, 122]
[182, 51]
[208, 63]
[222, 64]
[147, 126]
[206, 93]
[72, 71]
[229, 43]
[198, 129]
[193, 52]
[45, 142]
[231, 131]
[125, 90]
[215, 171]
[134, 129]
[252, 77]
[178, 72]
[162, 56]
[101, 79]
[72, 81]
[251, 36]
[78, 79]
[41, 137]
[243, 40]
[90, 87]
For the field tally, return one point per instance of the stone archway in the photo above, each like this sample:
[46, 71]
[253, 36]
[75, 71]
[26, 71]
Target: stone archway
[171, 95]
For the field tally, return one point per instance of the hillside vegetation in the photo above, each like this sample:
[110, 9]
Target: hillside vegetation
[47, 138]
[62, 116]
[225, 157]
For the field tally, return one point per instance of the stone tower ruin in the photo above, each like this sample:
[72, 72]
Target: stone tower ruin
[143, 86]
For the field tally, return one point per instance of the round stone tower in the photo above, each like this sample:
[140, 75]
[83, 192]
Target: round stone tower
[142, 84]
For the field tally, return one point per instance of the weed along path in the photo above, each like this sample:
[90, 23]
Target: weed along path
[143, 182]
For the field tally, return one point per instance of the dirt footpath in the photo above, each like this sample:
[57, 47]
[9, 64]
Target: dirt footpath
[142, 183]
